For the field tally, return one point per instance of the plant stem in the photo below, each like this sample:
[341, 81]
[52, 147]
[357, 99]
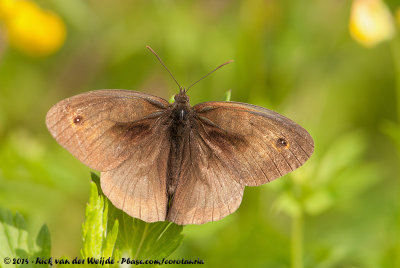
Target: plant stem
[395, 51]
[297, 240]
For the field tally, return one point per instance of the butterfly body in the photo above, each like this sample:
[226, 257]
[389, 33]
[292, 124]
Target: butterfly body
[179, 122]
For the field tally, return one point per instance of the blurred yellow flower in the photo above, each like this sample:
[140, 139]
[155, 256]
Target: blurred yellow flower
[371, 22]
[31, 29]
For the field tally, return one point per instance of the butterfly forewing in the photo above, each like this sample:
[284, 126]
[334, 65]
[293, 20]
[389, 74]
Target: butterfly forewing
[101, 128]
[264, 144]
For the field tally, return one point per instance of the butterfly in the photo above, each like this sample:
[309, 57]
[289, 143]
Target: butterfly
[171, 161]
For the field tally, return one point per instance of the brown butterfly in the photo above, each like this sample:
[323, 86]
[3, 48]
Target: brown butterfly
[162, 161]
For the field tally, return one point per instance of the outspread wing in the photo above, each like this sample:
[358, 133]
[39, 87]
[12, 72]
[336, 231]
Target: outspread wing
[232, 145]
[101, 128]
[124, 134]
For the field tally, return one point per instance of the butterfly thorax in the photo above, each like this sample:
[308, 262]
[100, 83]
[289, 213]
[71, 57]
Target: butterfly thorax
[181, 114]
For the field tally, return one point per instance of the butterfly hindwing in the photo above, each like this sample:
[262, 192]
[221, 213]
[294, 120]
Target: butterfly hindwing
[207, 190]
[138, 185]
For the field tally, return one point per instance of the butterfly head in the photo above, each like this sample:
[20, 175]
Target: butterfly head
[181, 97]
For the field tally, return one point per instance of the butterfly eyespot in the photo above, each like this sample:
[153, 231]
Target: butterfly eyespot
[77, 119]
[281, 142]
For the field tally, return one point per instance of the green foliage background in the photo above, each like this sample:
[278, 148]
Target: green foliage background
[341, 209]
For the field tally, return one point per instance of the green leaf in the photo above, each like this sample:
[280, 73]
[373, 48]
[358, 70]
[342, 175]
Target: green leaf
[228, 95]
[155, 240]
[110, 241]
[141, 240]
[318, 201]
[92, 229]
[288, 203]
[42, 246]
[96, 180]
[168, 241]
[138, 239]
[98, 241]
[343, 153]
[15, 241]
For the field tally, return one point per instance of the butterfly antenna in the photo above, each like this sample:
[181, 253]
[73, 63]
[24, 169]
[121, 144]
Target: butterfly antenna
[209, 74]
[162, 63]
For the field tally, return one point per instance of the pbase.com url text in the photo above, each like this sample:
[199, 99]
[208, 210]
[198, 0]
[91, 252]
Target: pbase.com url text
[161, 262]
